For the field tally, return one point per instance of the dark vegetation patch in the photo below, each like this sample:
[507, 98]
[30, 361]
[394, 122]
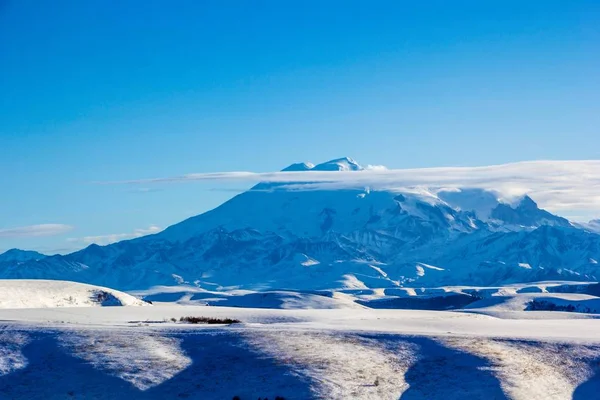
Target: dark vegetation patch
[191, 320]
[105, 298]
[209, 320]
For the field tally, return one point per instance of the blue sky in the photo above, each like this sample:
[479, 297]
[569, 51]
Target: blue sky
[103, 91]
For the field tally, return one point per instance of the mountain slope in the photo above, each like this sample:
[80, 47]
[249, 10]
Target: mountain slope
[273, 237]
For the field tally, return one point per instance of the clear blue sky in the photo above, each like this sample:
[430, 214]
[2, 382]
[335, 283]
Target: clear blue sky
[107, 90]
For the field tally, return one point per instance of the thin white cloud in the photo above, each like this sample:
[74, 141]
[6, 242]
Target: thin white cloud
[376, 167]
[35, 230]
[555, 185]
[115, 237]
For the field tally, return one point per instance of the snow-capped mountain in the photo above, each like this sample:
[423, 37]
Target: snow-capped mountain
[273, 237]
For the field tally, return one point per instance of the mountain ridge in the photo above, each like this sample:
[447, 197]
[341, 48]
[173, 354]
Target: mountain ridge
[274, 238]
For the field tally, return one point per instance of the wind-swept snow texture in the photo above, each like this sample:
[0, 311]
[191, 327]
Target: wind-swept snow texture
[533, 370]
[350, 367]
[11, 356]
[253, 362]
[143, 360]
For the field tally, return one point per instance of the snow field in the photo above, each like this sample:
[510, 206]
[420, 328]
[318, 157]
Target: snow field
[540, 372]
[144, 360]
[298, 364]
[341, 366]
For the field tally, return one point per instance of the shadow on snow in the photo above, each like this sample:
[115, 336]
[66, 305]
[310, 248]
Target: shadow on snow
[222, 367]
[589, 389]
[444, 373]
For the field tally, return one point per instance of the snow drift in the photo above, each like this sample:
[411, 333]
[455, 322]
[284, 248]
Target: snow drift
[18, 293]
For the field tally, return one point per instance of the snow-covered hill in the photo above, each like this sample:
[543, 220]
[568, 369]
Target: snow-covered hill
[275, 237]
[47, 294]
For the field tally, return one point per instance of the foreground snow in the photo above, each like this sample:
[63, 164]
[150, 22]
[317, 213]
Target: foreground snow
[297, 354]
[491, 348]
[38, 293]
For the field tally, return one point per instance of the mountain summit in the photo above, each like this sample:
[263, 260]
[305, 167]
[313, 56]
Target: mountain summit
[350, 238]
[339, 164]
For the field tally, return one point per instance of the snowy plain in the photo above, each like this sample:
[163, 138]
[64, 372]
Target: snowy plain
[304, 349]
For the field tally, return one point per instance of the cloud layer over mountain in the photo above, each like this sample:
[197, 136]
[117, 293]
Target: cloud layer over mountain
[555, 185]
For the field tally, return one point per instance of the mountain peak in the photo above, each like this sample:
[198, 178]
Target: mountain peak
[527, 213]
[527, 203]
[339, 164]
[298, 167]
